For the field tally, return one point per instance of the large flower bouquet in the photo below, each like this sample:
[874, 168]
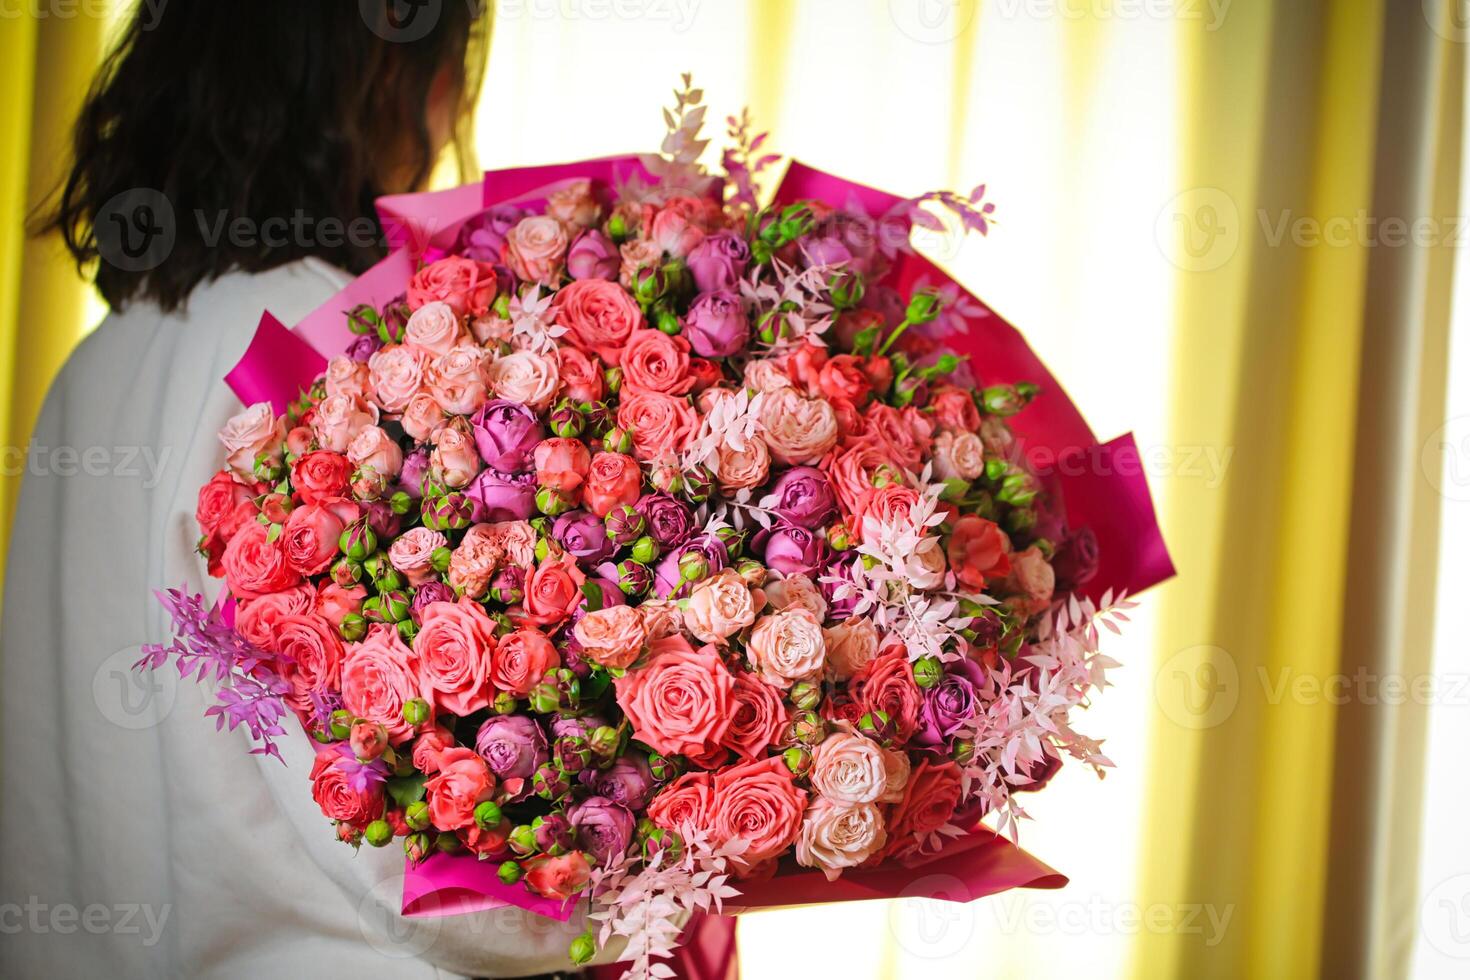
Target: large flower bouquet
[640, 542]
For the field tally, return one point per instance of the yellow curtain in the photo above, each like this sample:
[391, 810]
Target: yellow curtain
[1160, 179]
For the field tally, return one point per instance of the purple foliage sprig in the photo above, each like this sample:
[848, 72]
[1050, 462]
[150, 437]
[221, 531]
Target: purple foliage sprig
[743, 161]
[251, 690]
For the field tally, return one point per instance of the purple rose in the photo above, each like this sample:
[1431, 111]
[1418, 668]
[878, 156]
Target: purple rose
[626, 781]
[481, 237]
[583, 726]
[668, 520]
[825, 251]
[502, 496]
[667, 579]
[1075, 562]
[604, 828]
[382, 520]
[719, 261]
[949, 703]
[583, 535]
[365, 347]
[803, 496]
[506, 434]
[793, 550]
[415, 469]
[593, 256]
[513, 745]
[716, 324]
[427, 593]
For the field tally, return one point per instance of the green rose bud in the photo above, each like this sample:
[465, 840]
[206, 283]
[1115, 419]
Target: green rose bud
[522, 840]
[352, 628]
[416, 815]
[693, 566]
[395, 605]
[504, 703]
[645, 550]
[923, 306]
[358, 540]
[617, 440]
[612, 379]
[667, 322]
[416, 711]
[552, 502]
[798, 760]
[362, 319]
[378, 833]
[962, 752]
[806, 695]
[341, 723]
[440, 559]
[488, 815]
[582, 949]
[509, 872]
[617, 227]
[927, 671]
[447, 843]
[417, 846]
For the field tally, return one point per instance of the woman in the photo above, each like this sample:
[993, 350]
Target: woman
[226, 163]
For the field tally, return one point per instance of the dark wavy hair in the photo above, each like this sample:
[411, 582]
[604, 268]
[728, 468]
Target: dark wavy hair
[226, 135]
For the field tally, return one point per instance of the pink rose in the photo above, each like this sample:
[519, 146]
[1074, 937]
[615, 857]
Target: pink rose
[765, 375]
[654, 361]
[562, 464]
[929, 800]
[757, 719]
[613, 636]
[313, 653]
[339, 418]
[373, 449]
[660, 424]
[345, 376]
[680, 702]
[851, 645]
[256, 619]
[367, 739]
[454, 460]
[433, 329]
[856, 470]
[849, 769]
[687, 802]
[334, 603]
[958, 456]
[786, 647]
[581, 378]
[797, 430]
[454, 644]
[521, 659]
[312, 531]
[462, 783]
[428, 746]
[338, 794]
[719, 607]
[954, 409]
[395, 373]
[456, 380]
[525, 377]
[682, 223]
[796, 591]
[886, 684]
[906, 434]
[758, 802]
[516, 541]
[574, 204]
[599, 316]
[661, 618]
[254, 565]
[835, 836]
[636, 256]
[224, 503]
[1032, 577]
[422, 416]
[467, 286]
[742, 469]
[612, 479]
[558, 878]
[553, 590]
[379, 676]
[535, 249]
[412, 553]
[473, 562]
[254, 433]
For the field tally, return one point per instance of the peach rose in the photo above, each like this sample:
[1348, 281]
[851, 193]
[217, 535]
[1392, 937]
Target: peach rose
[599, 316]
[680, 702]
[896, 766]
[654, 361]
[1032, 577]
[787, 647]
[636, 256]
[474, 560]
[525, 377]
[742, 469]
[765, 375]
[660, 424]
[312, 531]
[562, 464]
[256, 619]
[851, 645]
[433, 329]
[422, 416]
[454, 460]
[797, 430]
[613, 636]
[849, 769]
[978, 551]
[345, 376]
[612, 479]
[796, 591]
[558, 878]
[553, 590]
[255, 432]
[856, 470]
[467, 286]
[958, 456]
[454, 644]
[394, 374]
[687, 802]
[719, 607]
[515, 540]
[379, 676]
[412, 553]
[835, 837]
[339, 418]
[574, 204]
[661, 618]
[456, 380]
[334, 603]
[373, 449]
[757, 802]
[581, 378]
[463, 782]
[520, 661]
[535, 249]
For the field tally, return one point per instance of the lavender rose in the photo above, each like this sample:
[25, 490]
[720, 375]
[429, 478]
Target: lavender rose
[481, 237]
[716, 325]
[415, 469]
[604, 828]
[506, 434]
[427, 593]
[719, 261]
[513, 745]
[502, 496]
[668, 578]
[365, 347]
[583, 535]
[627, 781]
[668, 520]
[793, 550]
[593, 256]
[803, 496]
[950, 703]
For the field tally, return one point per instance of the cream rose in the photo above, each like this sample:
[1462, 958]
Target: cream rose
[765, 376]
[346, 376]
[339, 418]
[851, 644]
[896, 766]
[574, 205]
[412, 553]
[849, 769]
[798, 430]
[637, 255]
[834, 837]
[374, 449]
[433, 329]
[536, 248]
[612, 637]
[525, 377]
[742, 469]
[959, 456]
[253, 433]
[719, 607]
[422, 416]
[394, 374]
[454, 460]
[456, 379]
[796, 592]
[786, 647]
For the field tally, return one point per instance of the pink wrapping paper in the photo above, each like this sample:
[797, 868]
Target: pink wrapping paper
[1102, 484]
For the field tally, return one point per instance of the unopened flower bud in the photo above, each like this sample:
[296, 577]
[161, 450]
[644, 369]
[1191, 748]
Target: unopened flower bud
[415, 711]
[923, 306]
[378, 833]
[604, 743]
[667, 479]
[552, 502]
[839, 538]
[798, 759]
[1006, 400]
[553, 833]
[617, 440]
[572, 753]
[396, 605]
[806, 728]
[634, 578]
[341, 723]
[440, 559]
[962, 752]
[645, 550]
[510, 872]
[416, 815]
[806, 695]
[752, 572]
[927, 671]
[488, 815]
[346, 573]
[662, 767]
[522, 840]
[362, 319]
[662, 841]
[624, 524]
[693, 566]
[582, 949]
[545, 697]
[504, 703]
[447, 512]
[667, 321]
[567, 421]
[550, 783]
[416, 846]
[358, 540]
[353, 627]
[878, 726]
[699, 483]
[446, 843]
[734, 541]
